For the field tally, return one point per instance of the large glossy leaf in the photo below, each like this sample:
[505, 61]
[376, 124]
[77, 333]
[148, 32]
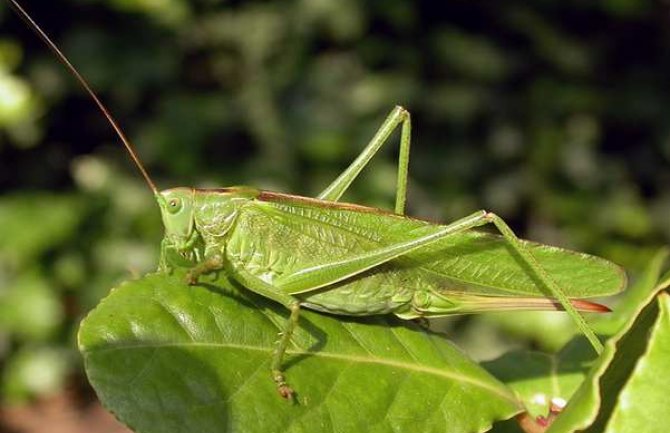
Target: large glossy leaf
[166, 357]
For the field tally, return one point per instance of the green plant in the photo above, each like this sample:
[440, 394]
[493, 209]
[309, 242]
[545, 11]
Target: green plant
[167, 357]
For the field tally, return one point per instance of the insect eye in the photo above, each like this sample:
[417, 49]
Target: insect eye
[174, 205]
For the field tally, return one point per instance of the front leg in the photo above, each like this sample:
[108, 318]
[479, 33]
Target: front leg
[210, 264]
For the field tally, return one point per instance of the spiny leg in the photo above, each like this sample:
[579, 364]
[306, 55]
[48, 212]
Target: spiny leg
[398, 116]
[315, 277]
[259, 286]
[215, 263]
[280, 349]
[545, 279]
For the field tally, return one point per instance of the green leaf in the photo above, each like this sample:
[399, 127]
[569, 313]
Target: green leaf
[540, 379]
[166, 357]
[603, 392]
[644, 400]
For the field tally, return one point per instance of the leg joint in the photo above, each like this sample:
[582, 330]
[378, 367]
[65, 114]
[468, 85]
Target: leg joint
[402, 111]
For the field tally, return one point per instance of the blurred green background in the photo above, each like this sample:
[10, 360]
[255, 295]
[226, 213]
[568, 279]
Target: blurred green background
[551, 113]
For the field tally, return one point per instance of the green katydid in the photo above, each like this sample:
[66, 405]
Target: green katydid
[347, 259]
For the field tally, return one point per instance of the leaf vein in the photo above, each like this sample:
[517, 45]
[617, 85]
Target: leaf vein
[424, 369]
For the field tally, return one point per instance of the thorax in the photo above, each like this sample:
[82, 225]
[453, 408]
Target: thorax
[216, 210]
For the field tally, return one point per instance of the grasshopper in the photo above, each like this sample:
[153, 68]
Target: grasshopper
[347, 259]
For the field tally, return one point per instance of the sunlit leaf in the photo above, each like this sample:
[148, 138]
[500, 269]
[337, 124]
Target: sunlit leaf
[541, 379]
[167, 357]
[625, 355]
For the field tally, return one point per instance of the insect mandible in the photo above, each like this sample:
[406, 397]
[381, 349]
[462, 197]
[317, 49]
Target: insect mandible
[347, 259]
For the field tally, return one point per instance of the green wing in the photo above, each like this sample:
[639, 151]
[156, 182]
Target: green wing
[299, 233]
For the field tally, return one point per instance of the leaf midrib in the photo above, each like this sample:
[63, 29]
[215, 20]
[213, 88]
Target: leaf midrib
[350, 358]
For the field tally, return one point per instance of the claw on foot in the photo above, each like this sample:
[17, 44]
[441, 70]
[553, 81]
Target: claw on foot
[423, 323]
[191, 279]
[285, 391]
[282, 387]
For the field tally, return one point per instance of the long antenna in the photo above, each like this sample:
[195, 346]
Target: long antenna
[126, 142]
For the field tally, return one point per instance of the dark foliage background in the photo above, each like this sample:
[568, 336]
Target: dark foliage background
[551, 113]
